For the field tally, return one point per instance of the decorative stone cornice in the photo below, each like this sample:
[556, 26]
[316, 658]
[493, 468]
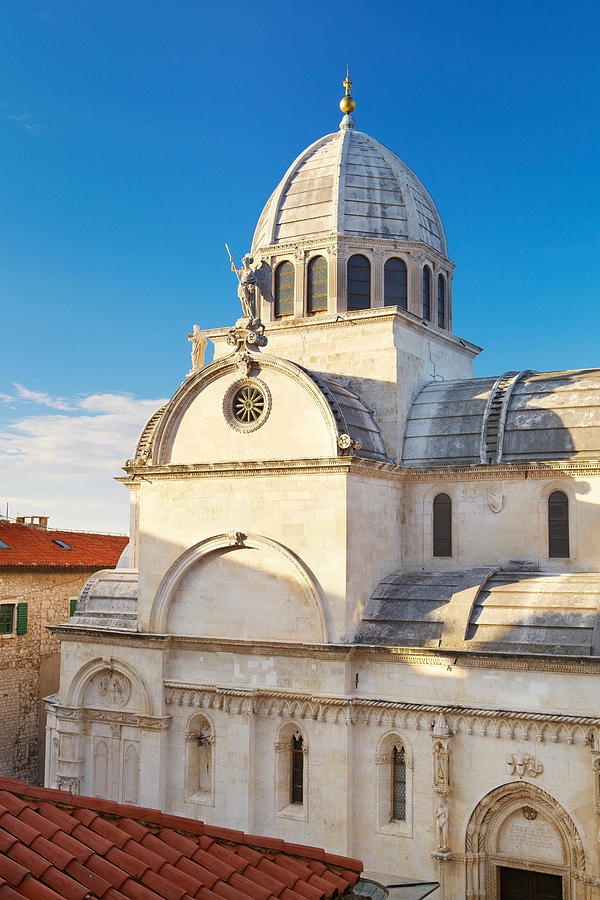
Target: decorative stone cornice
[346, 242]
[466, 659]
[111, 716]
[490, 723]
[349, 465]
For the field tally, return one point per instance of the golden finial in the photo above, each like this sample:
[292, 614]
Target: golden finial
[347, 103]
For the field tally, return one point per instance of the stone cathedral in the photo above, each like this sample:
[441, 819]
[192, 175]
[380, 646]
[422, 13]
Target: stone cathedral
[359, 608]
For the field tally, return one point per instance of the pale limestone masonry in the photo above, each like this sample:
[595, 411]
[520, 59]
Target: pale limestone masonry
[283, 594]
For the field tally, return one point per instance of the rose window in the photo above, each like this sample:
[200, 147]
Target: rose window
[248, 405]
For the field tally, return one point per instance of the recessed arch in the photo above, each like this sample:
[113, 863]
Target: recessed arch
[483, 840]
[94, 667]
[234, 541]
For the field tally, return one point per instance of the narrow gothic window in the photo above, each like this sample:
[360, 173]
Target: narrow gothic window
[442, 525]
[316, 293]
[398, 784]
[297, 770]
[284, 289]
[558, 525]
[441, 316]
[427, 293]
[359, 282]
[395, 285]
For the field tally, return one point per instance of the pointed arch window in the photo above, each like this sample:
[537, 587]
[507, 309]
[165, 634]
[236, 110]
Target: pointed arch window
[398, 783]
[442, 525]
[297, 770]
[359, 282]
[441, 301]
[316, 289]
[395, 283]
[426, 292]
[284, 289]
[558, 525]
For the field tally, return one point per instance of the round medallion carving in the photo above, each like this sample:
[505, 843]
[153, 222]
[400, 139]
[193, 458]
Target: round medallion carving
[247, 404]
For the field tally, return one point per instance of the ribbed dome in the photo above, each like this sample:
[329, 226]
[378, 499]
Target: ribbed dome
[348, 183]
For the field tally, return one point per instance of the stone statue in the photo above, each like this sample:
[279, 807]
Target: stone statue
[198, 342]
[250, 280]
[441, 828]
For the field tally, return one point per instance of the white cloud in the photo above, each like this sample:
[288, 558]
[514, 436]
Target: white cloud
[62, 463]
[41, 397]
[25, 121]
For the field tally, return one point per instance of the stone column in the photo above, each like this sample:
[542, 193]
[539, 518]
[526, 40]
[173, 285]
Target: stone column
[299, 283]
[415, 270]
[377, 280]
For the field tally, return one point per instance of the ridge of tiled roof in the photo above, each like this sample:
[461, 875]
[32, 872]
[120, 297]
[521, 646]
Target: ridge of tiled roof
[58, 846]
[28, 546]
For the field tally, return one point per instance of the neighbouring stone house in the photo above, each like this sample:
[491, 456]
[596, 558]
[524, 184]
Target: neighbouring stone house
[361, 602]
[41, 571]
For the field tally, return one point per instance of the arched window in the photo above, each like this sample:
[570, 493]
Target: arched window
[359, 282]
[558, 525]
[395, 284]
[316, 289]
[426, 291]
[442, 525]
[297, 770]
[441, 316]
[284, 289]
[398, 783]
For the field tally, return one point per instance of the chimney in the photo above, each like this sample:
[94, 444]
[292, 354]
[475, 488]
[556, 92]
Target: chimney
[38, 522]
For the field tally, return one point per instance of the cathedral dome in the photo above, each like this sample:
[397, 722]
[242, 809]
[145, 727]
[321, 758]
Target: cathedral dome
[347, 183]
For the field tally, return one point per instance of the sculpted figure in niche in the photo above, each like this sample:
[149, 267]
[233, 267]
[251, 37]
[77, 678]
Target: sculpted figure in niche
[441, 827]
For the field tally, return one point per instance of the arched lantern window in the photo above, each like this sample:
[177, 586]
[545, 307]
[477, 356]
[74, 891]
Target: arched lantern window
[359, 282]
[284, 289]
[426, 291]
[395, 283]
[316, 288]
[441, 302]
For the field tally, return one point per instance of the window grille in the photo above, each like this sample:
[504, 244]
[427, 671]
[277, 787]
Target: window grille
[297, 790]
[284, 289]
[427, 293]
[316, 294]
[441, 310]
[558, 525]
[7, 616]
[395, 283]
[359, 282]
[398, 784]
[442, 525]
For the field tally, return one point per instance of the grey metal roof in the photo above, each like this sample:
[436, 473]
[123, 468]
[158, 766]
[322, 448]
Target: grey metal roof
[486, 609]
[516, 416]
[349, 183]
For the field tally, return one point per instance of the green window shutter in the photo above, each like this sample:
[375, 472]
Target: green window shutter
[21, 618]
[73, 605]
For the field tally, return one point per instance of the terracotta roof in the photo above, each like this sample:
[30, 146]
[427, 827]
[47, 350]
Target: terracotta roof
[29, 546]
[59, 846]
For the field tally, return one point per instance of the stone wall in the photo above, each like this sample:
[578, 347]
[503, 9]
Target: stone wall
[30, 663]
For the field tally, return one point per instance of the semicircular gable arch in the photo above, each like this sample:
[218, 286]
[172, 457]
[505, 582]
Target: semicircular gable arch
[181, 401]
[83, 678]
[233, 540]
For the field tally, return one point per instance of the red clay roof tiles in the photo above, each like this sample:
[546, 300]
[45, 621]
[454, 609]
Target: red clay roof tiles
[55, 845]
[29, 546]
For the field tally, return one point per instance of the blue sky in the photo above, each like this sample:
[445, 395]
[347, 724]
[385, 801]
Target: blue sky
[137, 137]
